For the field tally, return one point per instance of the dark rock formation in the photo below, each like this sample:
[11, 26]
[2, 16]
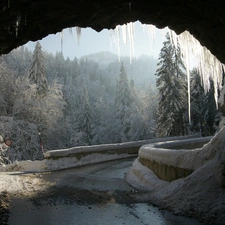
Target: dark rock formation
[24, 20]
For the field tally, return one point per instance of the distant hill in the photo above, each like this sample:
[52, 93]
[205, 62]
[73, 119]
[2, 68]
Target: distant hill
[141, 69]
[102, 58]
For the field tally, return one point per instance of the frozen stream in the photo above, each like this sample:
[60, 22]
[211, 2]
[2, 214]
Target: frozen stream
[97, 195]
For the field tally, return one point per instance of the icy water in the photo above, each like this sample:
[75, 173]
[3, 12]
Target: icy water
[96, 195]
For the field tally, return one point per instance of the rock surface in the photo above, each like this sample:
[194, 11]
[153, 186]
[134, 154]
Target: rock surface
[25, 20]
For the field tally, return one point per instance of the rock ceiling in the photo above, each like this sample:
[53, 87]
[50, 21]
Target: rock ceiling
[25, 20]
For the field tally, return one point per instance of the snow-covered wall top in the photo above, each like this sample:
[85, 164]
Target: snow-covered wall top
[67, 158]
[109, 148]
[182, 158]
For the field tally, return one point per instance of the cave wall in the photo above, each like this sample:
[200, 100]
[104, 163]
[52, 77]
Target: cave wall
[25, 20]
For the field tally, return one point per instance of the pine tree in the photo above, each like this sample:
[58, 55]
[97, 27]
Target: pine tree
[85, 117]
[198, 105]
[171, 84]
[203, 106]
[7, 89]
[149, 111]
[37, 70]
[122, 103]
[210, 112]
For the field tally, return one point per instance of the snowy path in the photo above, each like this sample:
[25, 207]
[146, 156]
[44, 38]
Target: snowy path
[94, 194]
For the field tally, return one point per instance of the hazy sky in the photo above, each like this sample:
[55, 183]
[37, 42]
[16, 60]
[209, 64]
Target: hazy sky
[93, 42]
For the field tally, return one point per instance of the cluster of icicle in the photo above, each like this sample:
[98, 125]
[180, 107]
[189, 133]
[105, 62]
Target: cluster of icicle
[210, 68]
[127, 32]
[193, 52]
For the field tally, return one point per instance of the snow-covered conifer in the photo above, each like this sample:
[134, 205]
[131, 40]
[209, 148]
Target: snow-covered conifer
[37, 70]
[172, 86]
[123, 103]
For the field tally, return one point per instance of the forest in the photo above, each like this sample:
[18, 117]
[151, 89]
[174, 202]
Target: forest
[97, 99]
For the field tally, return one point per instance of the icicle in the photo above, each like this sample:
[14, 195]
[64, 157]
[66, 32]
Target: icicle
[118, 40]
[130, 28]
[150, 30]
[111, 39]
[17, 28]
[115, 39]
[184, 46]
[130, 6]
[208, 65]
[78, 31]
[61, 36]
[127, 31]
[124, 33]
[25, 20]
[173, 38]
[17, 25]
[71, 31]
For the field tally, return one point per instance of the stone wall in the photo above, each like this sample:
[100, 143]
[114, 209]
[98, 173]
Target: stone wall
[170, 164]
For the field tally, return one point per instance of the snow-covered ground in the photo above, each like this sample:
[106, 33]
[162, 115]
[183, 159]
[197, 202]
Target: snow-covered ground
[201, 194]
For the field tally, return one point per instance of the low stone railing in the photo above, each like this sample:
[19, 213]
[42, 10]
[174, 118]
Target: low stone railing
[174, 159]
[129, 148]
[83, 155]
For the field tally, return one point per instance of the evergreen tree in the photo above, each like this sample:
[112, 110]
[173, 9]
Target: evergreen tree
[203, 106]
[37, 70]
[171, 84]
[122, 103]
[85, 117]
[7, 90]
[198, 106]
[210, 112]
[137, 121]
[149, 110]
[63, 127]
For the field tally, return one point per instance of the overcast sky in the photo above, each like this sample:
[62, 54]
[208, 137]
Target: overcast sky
[93, 42]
